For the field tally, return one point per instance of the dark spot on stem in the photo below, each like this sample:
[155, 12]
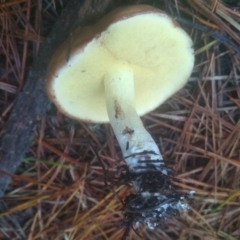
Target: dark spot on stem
[119, 114]
[127, 130]
[141, 153]
[127, 146]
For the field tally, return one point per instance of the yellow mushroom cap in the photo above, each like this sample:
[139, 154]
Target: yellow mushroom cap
[140, 38]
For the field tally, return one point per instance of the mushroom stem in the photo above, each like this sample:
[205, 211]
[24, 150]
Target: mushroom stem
[136, 143]
[154, 198]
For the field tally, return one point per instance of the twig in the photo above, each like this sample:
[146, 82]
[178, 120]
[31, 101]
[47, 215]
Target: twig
[219, 36]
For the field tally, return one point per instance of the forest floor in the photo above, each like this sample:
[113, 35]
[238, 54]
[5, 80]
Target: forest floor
[59, 192]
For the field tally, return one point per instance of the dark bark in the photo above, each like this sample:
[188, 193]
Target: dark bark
[32, 102]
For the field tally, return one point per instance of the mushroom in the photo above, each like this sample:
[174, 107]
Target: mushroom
[117, 70]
